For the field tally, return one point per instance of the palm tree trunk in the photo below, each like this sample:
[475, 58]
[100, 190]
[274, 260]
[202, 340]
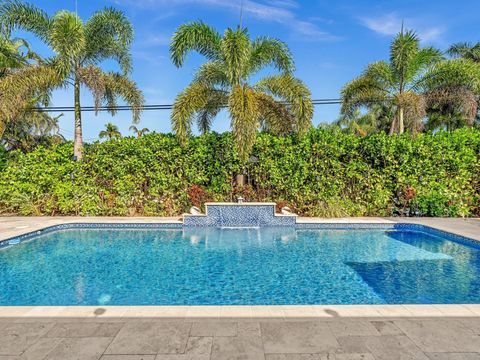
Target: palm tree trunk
[78, 140]
[393, 126]
[3, 126]
[401, 125]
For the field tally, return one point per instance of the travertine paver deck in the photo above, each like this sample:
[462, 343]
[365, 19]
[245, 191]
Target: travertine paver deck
[341, 338]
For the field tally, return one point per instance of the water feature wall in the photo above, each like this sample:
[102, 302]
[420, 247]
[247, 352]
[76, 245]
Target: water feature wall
[239, 215]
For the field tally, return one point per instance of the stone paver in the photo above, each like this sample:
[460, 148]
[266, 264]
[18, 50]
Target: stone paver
[389, 347]
[441, 335]
[298, 337]
[16, 338]
[342, 338]
[219, 328]
[454, 356]
[128, 357]
[151, 337]
[79, 329]
[79, 349]
[245, 347]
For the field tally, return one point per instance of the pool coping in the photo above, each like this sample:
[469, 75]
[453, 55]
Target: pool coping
[280, 312]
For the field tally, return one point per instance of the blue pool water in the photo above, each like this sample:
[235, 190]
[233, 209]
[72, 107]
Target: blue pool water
[238, 266]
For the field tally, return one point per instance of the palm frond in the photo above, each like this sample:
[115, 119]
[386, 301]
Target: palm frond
[362, 92]
[245, 116]
[109, 34]
[422, 62]
[107, 87]
[295, 93]
[18, 88]
[381, 73]
[466, 50]
[212, 73]
[451, 102]
[137, 131]
[267, 51]
[216, 101]
[19, 15]
[10, 56]
[195, 36]
[94, 79]
[236, 50]
[193, 99]
[67, 36]
[118, 85]
[276, 117]
[451, 73]
[403, 50]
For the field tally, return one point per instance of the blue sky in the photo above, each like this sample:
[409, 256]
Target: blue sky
[331, 41]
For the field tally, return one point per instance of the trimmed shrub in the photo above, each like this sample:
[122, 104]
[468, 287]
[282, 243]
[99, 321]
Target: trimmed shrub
[321, 174]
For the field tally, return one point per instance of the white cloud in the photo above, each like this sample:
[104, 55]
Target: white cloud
[146, 56]
[279, 11]
[283, 3]
[156, 40]
[391, 23]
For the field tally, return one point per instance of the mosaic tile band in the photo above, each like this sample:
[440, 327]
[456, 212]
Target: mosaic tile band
[239, 215]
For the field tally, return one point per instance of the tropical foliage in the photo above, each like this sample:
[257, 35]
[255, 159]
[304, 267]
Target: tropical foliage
[30, 130]
[415, 81]
[79, 48]
[466, 51]
[348, 168]
[111, 132]
[320, 174]
[280, 104]
[139, 132]
[25, 82]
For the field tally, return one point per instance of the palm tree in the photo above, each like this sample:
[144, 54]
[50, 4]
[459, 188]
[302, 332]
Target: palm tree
[466, 51]
[415, 80]
[395, 83]
[139, 132]
[110, 132]
[362, 124]
[280, 103]
[31, 129]
[79, 49]
[25, 81]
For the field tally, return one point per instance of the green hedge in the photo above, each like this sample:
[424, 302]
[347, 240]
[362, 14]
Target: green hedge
[321, 174]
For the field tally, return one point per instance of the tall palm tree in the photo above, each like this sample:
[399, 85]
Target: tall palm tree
[139, 132]
[395, 82]
[79, 48]
[280, 103]
[110, 132]
[415, 80]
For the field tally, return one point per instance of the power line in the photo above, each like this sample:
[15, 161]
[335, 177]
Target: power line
[153, 107]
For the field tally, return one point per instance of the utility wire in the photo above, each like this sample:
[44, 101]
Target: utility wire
[149, 107]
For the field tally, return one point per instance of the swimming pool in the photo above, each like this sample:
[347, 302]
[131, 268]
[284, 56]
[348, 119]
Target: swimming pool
[254, 266]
